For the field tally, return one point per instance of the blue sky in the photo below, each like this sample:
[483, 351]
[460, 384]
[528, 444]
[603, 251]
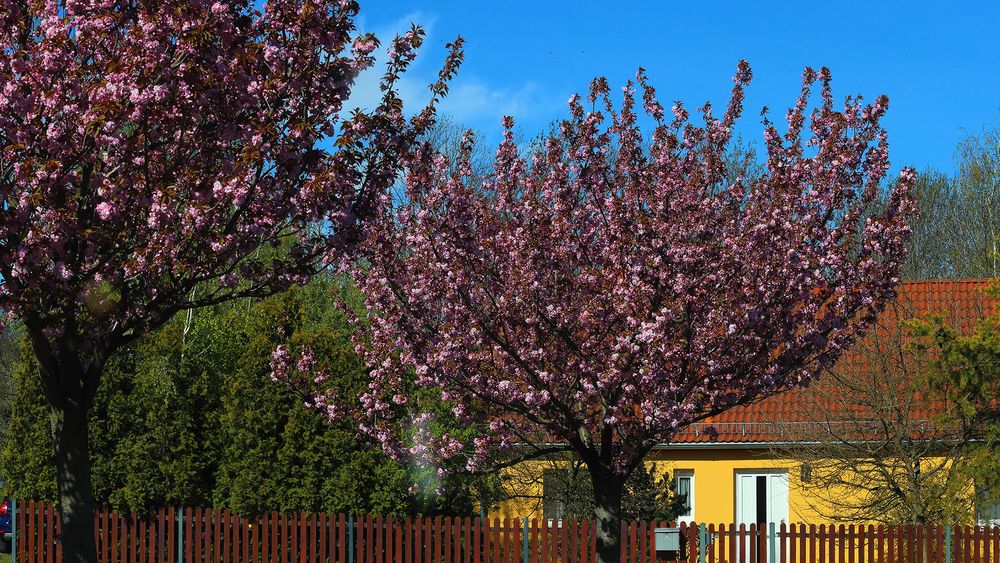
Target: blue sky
[939, 63]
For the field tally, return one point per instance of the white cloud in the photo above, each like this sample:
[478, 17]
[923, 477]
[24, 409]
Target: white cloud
[412, 86]
[471, 99]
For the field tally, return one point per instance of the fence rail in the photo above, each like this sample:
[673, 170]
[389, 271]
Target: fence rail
[199, 535]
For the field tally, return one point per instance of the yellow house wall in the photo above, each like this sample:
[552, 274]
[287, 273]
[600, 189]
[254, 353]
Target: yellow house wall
[715, 481]
[714, 470]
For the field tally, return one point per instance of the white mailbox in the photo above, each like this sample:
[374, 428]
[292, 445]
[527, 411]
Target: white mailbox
[668, 539]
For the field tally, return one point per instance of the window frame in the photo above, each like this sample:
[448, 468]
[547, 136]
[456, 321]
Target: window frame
[987, 510]
[689, 475]
[552, 478]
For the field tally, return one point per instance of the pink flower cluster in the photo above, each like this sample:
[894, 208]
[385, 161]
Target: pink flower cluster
[146, 149]
[605, 289]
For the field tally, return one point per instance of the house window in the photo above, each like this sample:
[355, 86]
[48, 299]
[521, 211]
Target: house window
[684, 486]
[987, 509]
[554, 494]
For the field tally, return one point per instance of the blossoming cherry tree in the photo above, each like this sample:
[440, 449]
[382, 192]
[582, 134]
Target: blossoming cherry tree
[604, 289]
[162, 155]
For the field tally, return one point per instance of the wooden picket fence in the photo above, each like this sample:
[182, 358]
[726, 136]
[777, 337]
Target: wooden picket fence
[220, 536]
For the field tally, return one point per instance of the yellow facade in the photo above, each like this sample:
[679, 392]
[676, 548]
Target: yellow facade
[715, 470]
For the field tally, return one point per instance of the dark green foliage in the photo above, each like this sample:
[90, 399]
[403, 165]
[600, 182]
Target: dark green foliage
[964, 370]
[9, 354]
[27, 460]
[651, 497]
[190, 416]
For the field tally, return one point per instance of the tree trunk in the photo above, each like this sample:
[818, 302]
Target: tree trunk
[76, 498]
[608, 514]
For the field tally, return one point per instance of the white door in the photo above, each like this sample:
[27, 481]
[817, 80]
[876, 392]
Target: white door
[762, 499]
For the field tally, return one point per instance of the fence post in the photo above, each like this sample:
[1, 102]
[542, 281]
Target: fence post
[350, 538]
[13, 530]
[947, 543]
[524, 540]
[770, 542]
[180, 535]
[701, 543]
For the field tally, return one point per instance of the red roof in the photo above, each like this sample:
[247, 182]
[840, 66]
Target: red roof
[785, 416]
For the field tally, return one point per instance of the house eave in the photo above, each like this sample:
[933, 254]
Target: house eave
[730, 445]
[762, 444]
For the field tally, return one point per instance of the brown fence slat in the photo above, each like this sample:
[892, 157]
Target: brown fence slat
[261, 543]
[418, 540]
[792, 546]
[497, 541]
[223, 536]
[642, 534]
[762, 544]
[369, 539]
[388, 530]
[852, 544]
[633, 534]
[208, 539]
[805, 543]
[226, 530]
[428, 526]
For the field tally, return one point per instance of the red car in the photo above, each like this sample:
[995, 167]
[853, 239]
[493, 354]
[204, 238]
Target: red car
[5, 526]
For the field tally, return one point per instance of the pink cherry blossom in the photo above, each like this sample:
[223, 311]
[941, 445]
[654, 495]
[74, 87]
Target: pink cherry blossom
[149, 149]
[605, 288]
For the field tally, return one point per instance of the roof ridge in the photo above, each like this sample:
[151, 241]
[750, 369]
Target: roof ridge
[945, 281]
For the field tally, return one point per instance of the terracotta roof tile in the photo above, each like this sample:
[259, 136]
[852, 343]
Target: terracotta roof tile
[963, 302]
